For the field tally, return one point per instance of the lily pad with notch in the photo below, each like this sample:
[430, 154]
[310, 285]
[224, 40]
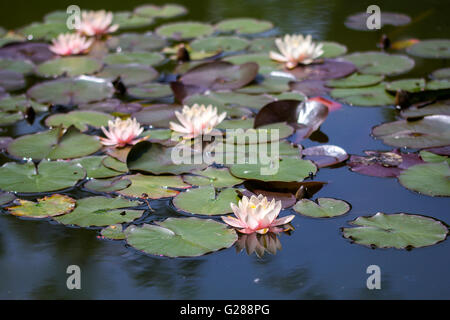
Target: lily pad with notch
[153, 187]
[324, 208]
[325, 155]
[216, 177]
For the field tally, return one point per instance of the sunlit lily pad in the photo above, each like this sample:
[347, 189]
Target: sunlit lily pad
[6, 197]
[144, 58]
[49, 176]
[54, 144]
[153, 187]
[262, 45]
[157, 159]
[54, 205]
[355, 81]
[366, 96]
[400, 231]
[216, 177]
[165, 11]
[80, 119]
[69, 66]
[71, 91]
[325, 155]
[94, 167]
[431, 131]
[181, 237]
[432, 179]
[184, 30]
[114, 164]
[433, 48]
[21, 66]
[380, 63]
[224, 43]
[358, 21]
[113, 232]
[206, 201]
[287, 169]
[150, 91]
[244, 25]
[324, 208]
[136, 42]
[130, 74]
[101, 211]
[107, 185]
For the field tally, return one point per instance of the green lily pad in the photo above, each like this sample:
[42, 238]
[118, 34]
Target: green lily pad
[289, 169]
[80, 119]
[409, 85]
[184, 30]
[433, 48]
[181, 237]
[21, 66]
[6, 197]
[432, 179]
[46, 30]
[266, 65]
[224, 43]
[432, 157]
[355, 81]
[94, 167]
[101, 211]
[380, 63]
[71, 91]
[268, 84]
[130, 74]
[49, 176]
[366, 96]
[401, 231]
[113, 232]
[439, 107]
[56, 16]
[262, 45]
[244, 25]
[107, 185]
[230, 99]
[54, 144]
[205, 201]
[157, 159]
[144, 58]
[20, 103]
[165, 11]
[443, 73]
[153, 187]
[438, 85]
[7, 119]
[324, 208]
[115, 164]
[69, 66]
[431, 131]
[216, 177]
[128, 20]
[136, 42]
[150, 91]
[332, 49]
[54, 205]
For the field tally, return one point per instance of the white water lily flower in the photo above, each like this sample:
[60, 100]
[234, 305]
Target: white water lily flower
[122, 133]
[257, 214]
[295, 50]
[70, 44]
[197, 120]
[94, 23]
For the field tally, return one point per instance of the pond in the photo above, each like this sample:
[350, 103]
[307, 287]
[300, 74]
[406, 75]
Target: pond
[316, 261]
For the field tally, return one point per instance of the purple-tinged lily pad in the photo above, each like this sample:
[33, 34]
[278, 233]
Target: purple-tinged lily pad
[11, 80]
[36, 52]
[358, 21]
[328, 69]
[325, 155]
[310, 88]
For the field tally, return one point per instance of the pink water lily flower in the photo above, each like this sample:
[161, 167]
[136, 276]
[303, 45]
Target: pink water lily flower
[96, 23]
[257, 214]
[295, 50]
[122, 133]
[70, 44]
[197, 120]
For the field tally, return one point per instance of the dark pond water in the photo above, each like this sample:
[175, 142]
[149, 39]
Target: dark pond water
[316, 261]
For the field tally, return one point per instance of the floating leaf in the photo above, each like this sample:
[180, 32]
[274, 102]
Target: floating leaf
[310, 88]
[94, 167]
[409, 85]
[443, 73]
[112, 106]
[205, 201]
[439, 107]
[68, 66]
[130, 42]
[431, 131]
[181, 237]
[6, 197]
[184, 30]
[115, 164]
[113, 232]
[128, 20]
[433, 48]
[101, 211]
[328, 69]
[216, 177]
[358, 21]
[157, 115]
[268, 84]
[54, 205]
[130, 74]
[325, 155]
[21, 66]
[46, 31]
[332, 49]
[80, 119]
[401, 231]
[107, 185]
[36, 52]
[54, 144]
[49, 176]
[355, 81]
[152, 187]
[286, 169]
[20, 103]
[11, 80]
[165, 11]
[367, 96]
[71, 91]
[224, 43]
[431, 179]
[244, 25]
[150, 91]
[143, 58]
[266, 65]
[432, 157]
[380, 63]
[229, 101]
[324, 208]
